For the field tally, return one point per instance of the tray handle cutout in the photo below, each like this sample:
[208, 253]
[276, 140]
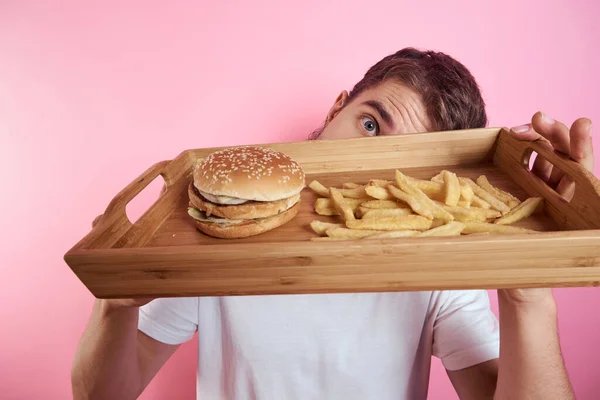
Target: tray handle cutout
[563, 187]
[581, 210]
[118, 204]
[114, 223]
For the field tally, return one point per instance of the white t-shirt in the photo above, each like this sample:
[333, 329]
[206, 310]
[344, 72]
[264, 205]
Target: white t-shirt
[334, 346]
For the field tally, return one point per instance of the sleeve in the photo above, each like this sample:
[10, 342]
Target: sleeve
[170, 320]
[466, 331]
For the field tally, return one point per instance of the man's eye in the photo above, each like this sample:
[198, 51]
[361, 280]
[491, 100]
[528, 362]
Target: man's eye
[370, 126]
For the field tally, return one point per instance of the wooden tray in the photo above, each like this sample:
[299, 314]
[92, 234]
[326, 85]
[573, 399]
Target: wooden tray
[163, 255]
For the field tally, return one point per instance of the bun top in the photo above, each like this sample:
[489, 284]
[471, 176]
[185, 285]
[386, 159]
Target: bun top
[249, 173]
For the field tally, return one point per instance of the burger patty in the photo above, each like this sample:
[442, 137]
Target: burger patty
[249, 210]
[202, 217]
[233, 229]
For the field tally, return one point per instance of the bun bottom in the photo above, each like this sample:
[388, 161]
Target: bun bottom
[249, 228]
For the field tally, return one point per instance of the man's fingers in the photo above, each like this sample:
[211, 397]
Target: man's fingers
[542, 168]
[566, 188]
[581, 143]
[524, 132]
[555, 177]
[555, 132]
[575, 143]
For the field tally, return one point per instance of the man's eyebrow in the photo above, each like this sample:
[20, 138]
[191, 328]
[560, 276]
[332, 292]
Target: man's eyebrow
[385, 115]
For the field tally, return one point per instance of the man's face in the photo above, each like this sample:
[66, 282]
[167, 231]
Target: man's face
[387, 109]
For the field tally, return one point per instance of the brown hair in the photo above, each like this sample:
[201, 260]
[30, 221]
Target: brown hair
[450, 93]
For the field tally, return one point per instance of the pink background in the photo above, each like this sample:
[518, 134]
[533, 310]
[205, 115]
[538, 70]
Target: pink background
[91, 95]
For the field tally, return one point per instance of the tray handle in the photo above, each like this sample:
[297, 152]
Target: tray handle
[582, 211]
[114, 223]
[119, 203]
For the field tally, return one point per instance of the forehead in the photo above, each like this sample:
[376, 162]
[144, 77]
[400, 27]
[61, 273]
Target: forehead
[404, 105]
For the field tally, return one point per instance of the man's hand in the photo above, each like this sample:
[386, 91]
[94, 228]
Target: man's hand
[574, 142]
[531, 364]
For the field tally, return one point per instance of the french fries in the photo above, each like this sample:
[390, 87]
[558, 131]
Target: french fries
[437, 222]
[434, 190]
[395, 223]
[383, 212]
[319, 189]
[523, 210]
[379, 182]
[486, 196]
[382, 205]
[479, 202]
[483, 227]
[450, 229]
[406, 185]
[464, 204]
[407, 207]
[376, 204]
[508, 199]
[466, 195]
[393, 234]
[355, 193]
[378, 192]
[361, 211]
[412, 202]
[350, 185]
[451, 188]
[324, 206]
[471, 213]
[347, 233]
[321, 227]
[341, 205]
[439, 177]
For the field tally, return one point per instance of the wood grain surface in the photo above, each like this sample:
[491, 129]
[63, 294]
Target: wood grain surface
[163, 255]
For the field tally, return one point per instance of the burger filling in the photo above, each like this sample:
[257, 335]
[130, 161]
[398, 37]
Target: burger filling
[201, 216]
[225, 200]
[203, 207]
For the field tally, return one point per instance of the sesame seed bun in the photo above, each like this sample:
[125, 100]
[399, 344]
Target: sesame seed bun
[249, 210]
[244, 191]
[249, 173]
[247, 228]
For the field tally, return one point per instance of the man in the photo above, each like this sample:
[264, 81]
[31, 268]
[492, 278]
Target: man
[353, 346]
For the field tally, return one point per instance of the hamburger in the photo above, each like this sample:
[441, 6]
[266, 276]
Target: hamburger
[244, 191]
